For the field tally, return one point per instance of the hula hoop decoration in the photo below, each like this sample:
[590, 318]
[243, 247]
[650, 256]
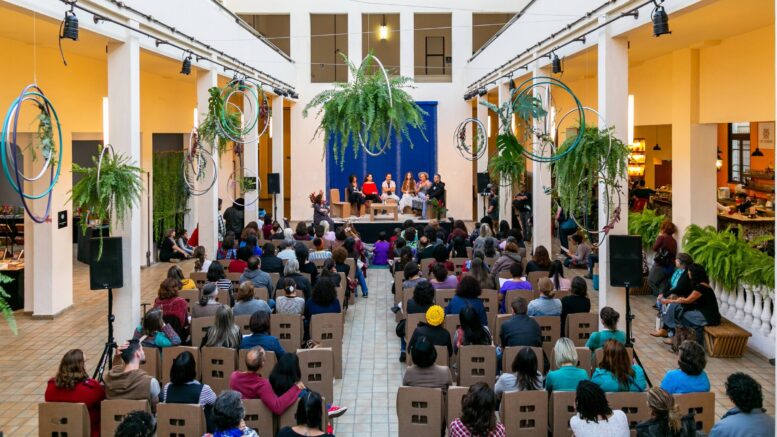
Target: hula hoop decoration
[194, 166]
[386, 144]
[249, 182]
[12, 153]
[237, 121]
[478, 148]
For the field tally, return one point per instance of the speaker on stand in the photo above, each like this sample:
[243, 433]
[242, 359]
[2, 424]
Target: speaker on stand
[106, 271]
[274, 188]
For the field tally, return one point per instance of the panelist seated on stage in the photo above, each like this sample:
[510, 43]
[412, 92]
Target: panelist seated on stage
[354, 194]
[408, 192]
[369, 189]
[389, 189]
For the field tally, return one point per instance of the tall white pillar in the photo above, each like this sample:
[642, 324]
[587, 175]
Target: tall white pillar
[505, 190]
[542, 216]
[207, 204]
[613, 84]
[251, 163]
[124, 125]
[694, 176]
[278, 157]
[482, 163]
[406, 44]
[354, 40]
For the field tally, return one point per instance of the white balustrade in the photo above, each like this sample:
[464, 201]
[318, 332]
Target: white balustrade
[732, 304]
[766, 317]
[757, 309]
[722, 297]
[747, 310]
[739, 303]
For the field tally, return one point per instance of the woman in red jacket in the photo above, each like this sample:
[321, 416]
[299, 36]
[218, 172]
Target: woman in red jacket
[72, 384]
[173, 305]
[370, 189]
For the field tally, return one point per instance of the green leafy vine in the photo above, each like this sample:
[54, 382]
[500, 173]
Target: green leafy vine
[170, 194]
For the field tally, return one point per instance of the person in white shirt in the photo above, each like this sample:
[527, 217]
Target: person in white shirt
[594, 416]
[389, 189]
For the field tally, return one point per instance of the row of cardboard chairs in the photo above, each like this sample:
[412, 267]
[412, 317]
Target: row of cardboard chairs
[179, 420]
[424, 411]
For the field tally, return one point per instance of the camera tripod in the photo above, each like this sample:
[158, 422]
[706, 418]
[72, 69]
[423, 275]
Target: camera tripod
[629, 339]
[106, 359]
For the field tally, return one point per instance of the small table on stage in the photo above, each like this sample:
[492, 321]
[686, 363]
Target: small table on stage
[391, 207]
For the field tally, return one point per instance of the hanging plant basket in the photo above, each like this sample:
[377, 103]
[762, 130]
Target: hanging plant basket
[364, 112]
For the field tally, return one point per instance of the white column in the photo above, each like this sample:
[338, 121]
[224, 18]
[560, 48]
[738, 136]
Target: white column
[406, 41]
[278, 157]
[251, 163]
[354, 40]
[206, 205]
[542, 216]
[482, 163]
[694, 176]
[124, 110]
[505, 190]
[613, 84]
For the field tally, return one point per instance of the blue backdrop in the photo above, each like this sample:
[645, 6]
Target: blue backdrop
[397, 160]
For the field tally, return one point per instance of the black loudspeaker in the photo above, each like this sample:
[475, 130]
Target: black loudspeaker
[273, 183]
[107, 272]
[483, 181]
[625, 260]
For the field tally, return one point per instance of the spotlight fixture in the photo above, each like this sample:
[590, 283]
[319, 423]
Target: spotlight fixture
[383, 30]
[556, 64]
[482, 91]
[292, 94]
[278, 91]
[757, 152]
[657, 148]
[660, 19]
[186, 65]
[511, 84]
[69, 28]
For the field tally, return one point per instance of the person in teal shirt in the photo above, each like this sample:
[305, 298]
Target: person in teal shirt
[616, 373]
[568, 375]
[610, 321]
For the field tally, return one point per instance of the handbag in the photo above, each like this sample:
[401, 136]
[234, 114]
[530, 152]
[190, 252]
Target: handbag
[662, 257]
[400, 329]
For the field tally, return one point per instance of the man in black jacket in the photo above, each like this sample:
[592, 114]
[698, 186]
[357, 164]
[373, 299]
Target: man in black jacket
[270, 262]
[438, 189]
[234, 217]
[520, 330]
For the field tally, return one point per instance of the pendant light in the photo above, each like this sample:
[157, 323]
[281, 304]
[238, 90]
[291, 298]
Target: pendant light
[556, 65]
[757, 152]
[383, 31]
[657, 148]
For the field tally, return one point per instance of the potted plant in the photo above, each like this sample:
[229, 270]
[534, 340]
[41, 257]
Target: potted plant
[438, 208]
[5, 307]
[646, 224]
[112, 195]
[210, 130]
[364, 111]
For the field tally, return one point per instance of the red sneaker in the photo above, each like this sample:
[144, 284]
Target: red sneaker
[336, 411]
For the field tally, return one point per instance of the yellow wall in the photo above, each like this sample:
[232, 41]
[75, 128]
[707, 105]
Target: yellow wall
[650, 83]
[661, 134]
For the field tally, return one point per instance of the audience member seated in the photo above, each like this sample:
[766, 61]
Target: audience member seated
[228, 249]
[201, 261]
[441, 280]
[568, 375]
[471, 331]
[546, 304]
[485, 234]
[207, 305]
[680, 285]
[73, 384]
[696, 311]
[320, 252]
[217, 276]
[256, 276]
[509, 258]
[556, 275]
[228, 414]
[477, 414]
[307, 417]
[468, 295]
[251, 385]
[459, 230]
[520, 330]
[276, 232]
[301, 232]
[518, 282]
[665, 417]
[168, 250]
[260, 335]
[458, 246]
[424, 372]
[184, 388]
[425, 249]
[690, 377]
[576, 302]
[270, 262]
[329, 272]
[594, 416]
[302, 252]
[579, 259]
[289, 303]
[239, 264]
[440, 254]
[246, 304]
[175, 273]
[380, 253]
[154, 332]
[172, 305]
[291, 271]
[130, 381]
[252, 242]
[412, 274]
[478, 269]
[323, 301]
[748, 417]
[183, 242]
[136, 424]
[523, 376]
[433, 330]
[616, 373]
[287, 251]
[224, 332]
[609, 319]
[287, 373]
[540, 261]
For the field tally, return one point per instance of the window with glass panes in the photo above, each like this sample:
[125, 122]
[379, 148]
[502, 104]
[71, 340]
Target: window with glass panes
[738, 151]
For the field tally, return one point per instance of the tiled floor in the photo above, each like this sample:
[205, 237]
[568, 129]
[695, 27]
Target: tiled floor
[371, 370]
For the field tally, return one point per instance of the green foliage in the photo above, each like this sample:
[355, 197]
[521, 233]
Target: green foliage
[170, 193]
[646, 224]
[362, 106]
[210, 129]
[728, 259]
[577, 173]
[5, 308]
[119, 190]
[44, 136]
[438, 208]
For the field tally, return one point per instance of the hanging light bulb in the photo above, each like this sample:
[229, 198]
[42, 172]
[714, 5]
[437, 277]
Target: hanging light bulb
[719, 161]
[660, 20]
[383, 30]
[186, 65]
[556, 64]
[657, 148]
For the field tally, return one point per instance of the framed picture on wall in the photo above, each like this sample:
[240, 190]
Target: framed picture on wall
[766, 135]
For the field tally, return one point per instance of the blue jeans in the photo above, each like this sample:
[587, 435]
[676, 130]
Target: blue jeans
[402, 344]
[362, 281]
[422, 197]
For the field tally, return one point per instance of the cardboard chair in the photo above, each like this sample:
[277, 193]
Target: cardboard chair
[317, 366]
[223, 297]
[477, 364]
[562, 408]
[287, 418]
[338, 208]
[634, 404]
[411, 322]
[199, 278]
[490, 300]
[509, 353]
[701, 405]
[580, 326]
[583, 359]
[224, 263]
[451, 324]
[443, 296]
[399, 277]
[190, 296]
[453, 403]
[244, 323]
[534, 279]
[288, 329]
[458, 264]
[490, 260]
[171, 353]
[327, 330]
[63, 419]
[352, 271]
[270, 360]
[218, 363]
[505, 274]
[511, 295]
[419, 411]
[235, 278]
[425, 263]
[550, 328]
[500, 320]
[199, 327]
[262, 293]
[180, 420]
[442, 356]
[525, 413]
[259, 417]
[113, 411]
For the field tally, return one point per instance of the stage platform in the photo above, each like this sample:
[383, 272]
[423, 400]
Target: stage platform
[369, 231]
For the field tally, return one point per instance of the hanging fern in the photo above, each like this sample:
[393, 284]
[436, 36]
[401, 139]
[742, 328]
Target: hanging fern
[210, 130]
[5, 308]
[362, 106]
[646, 224]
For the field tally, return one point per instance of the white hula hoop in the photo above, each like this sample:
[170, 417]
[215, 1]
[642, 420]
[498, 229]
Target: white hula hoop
[231, 182]
[391, 104]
